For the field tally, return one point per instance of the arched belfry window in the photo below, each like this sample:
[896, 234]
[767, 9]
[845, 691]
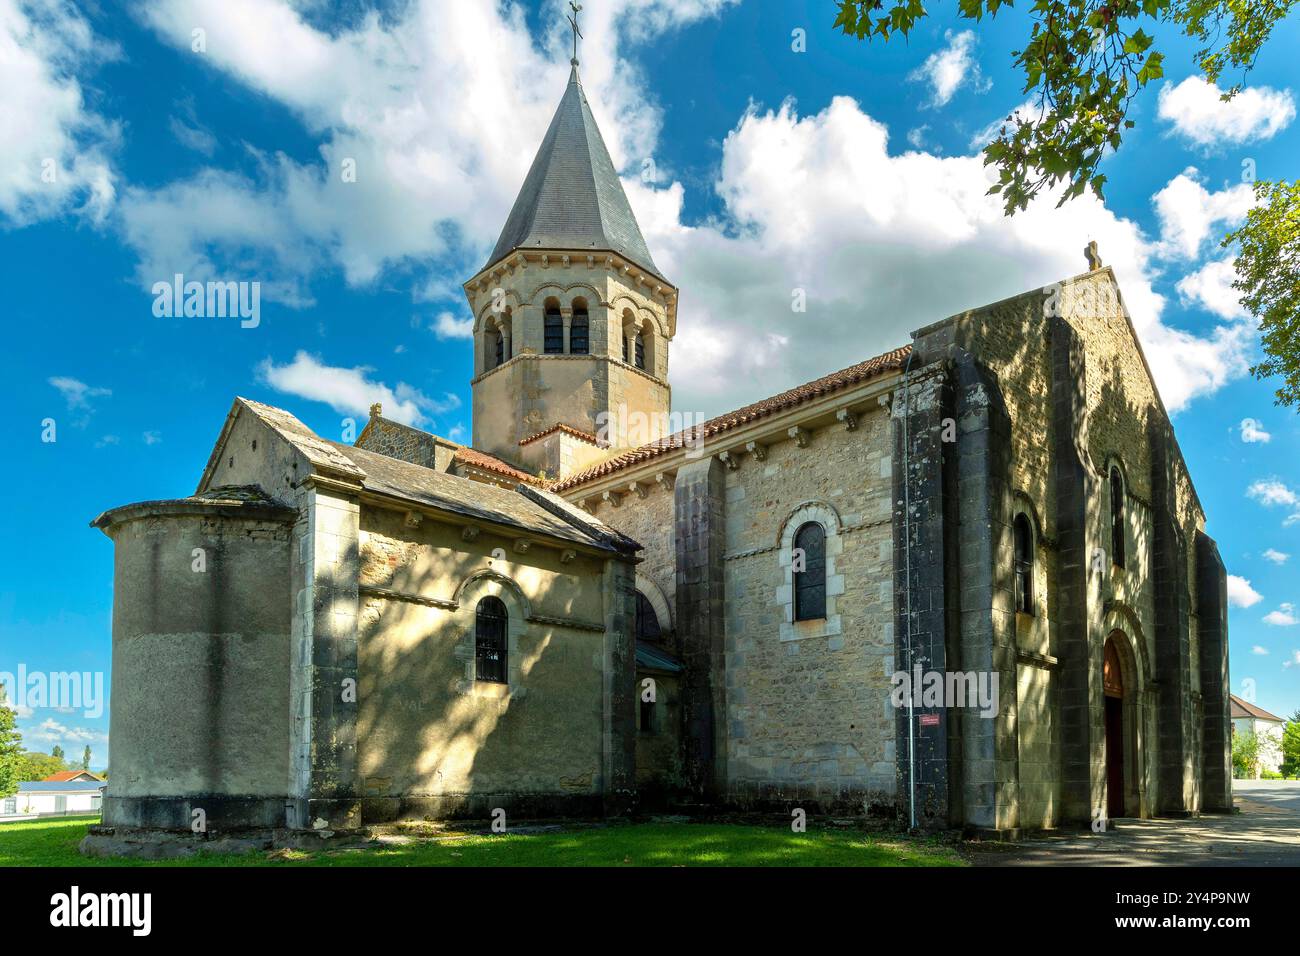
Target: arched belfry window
[1116, 517]
[647, 622]
[490, 622]
[639, 355]
[579, 329]
[809, 562]
[499, 348]
[553, 329]
[1023, 547]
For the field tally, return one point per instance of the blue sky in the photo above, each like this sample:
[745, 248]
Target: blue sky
[847, 170]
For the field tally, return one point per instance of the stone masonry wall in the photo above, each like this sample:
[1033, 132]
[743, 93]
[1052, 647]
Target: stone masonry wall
[432, 741]
[1116, 402]
[648, 521]
[808, 712]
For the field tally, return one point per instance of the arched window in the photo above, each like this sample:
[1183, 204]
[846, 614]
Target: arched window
[579, 338]
[553, 329]
[1116, 517]
[639, 343]
[809, 562]
[500, 348]
[490, 622]
[1024, 564]
[647, 622]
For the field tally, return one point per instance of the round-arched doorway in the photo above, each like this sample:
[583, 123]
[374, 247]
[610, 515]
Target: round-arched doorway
[1120, 682]
[1112, 684]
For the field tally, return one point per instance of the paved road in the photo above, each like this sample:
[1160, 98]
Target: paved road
[1265, 832]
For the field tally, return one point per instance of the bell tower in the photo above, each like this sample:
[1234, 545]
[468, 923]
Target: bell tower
[572, 318]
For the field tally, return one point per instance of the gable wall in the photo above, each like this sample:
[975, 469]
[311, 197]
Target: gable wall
[253, 454]
[1013, 339]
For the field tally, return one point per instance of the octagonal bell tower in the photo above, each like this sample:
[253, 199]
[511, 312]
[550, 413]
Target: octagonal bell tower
[572, 318]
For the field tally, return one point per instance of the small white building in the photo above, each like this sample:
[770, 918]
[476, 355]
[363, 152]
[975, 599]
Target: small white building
[1267, 729]
[37, 798]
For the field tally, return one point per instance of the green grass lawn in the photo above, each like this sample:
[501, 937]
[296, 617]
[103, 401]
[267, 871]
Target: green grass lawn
[54, 843]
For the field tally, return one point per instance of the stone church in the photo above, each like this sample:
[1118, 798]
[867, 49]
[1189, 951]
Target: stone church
[568, 616]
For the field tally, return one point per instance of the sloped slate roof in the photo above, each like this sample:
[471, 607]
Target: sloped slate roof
[519, 507]
[572, 197]
[475, 499]
[742, 416]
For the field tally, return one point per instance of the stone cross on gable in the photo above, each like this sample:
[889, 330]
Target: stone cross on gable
[1094, 257]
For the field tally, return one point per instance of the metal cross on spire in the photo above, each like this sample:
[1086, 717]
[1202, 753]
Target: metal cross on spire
[573, 22]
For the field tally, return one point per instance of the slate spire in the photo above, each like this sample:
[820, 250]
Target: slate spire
[572, 198]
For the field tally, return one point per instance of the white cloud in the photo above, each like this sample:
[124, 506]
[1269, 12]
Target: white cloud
[350, 391]
[77, 393]
[55, 147]
[51, 731]
[441, 146]
[204, 227]
[20, 710]
[1252, 431]
[1294, 661]
[1188, 212]
[1029, 111]
[1198, 113]
[189, 132]
[447, 326]
[151, 438]
[1210, 288]
[1240, 593]
[1272, 492]
[107, 441]
[1261, 651]
[818, 202]
[1277, 557]
[1284, 616]
[949, 69]
[440, 138]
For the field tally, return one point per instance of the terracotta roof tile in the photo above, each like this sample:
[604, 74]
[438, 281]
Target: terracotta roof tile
[481, 459]
[568, 430]
[1243, 708]
[742, 416]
